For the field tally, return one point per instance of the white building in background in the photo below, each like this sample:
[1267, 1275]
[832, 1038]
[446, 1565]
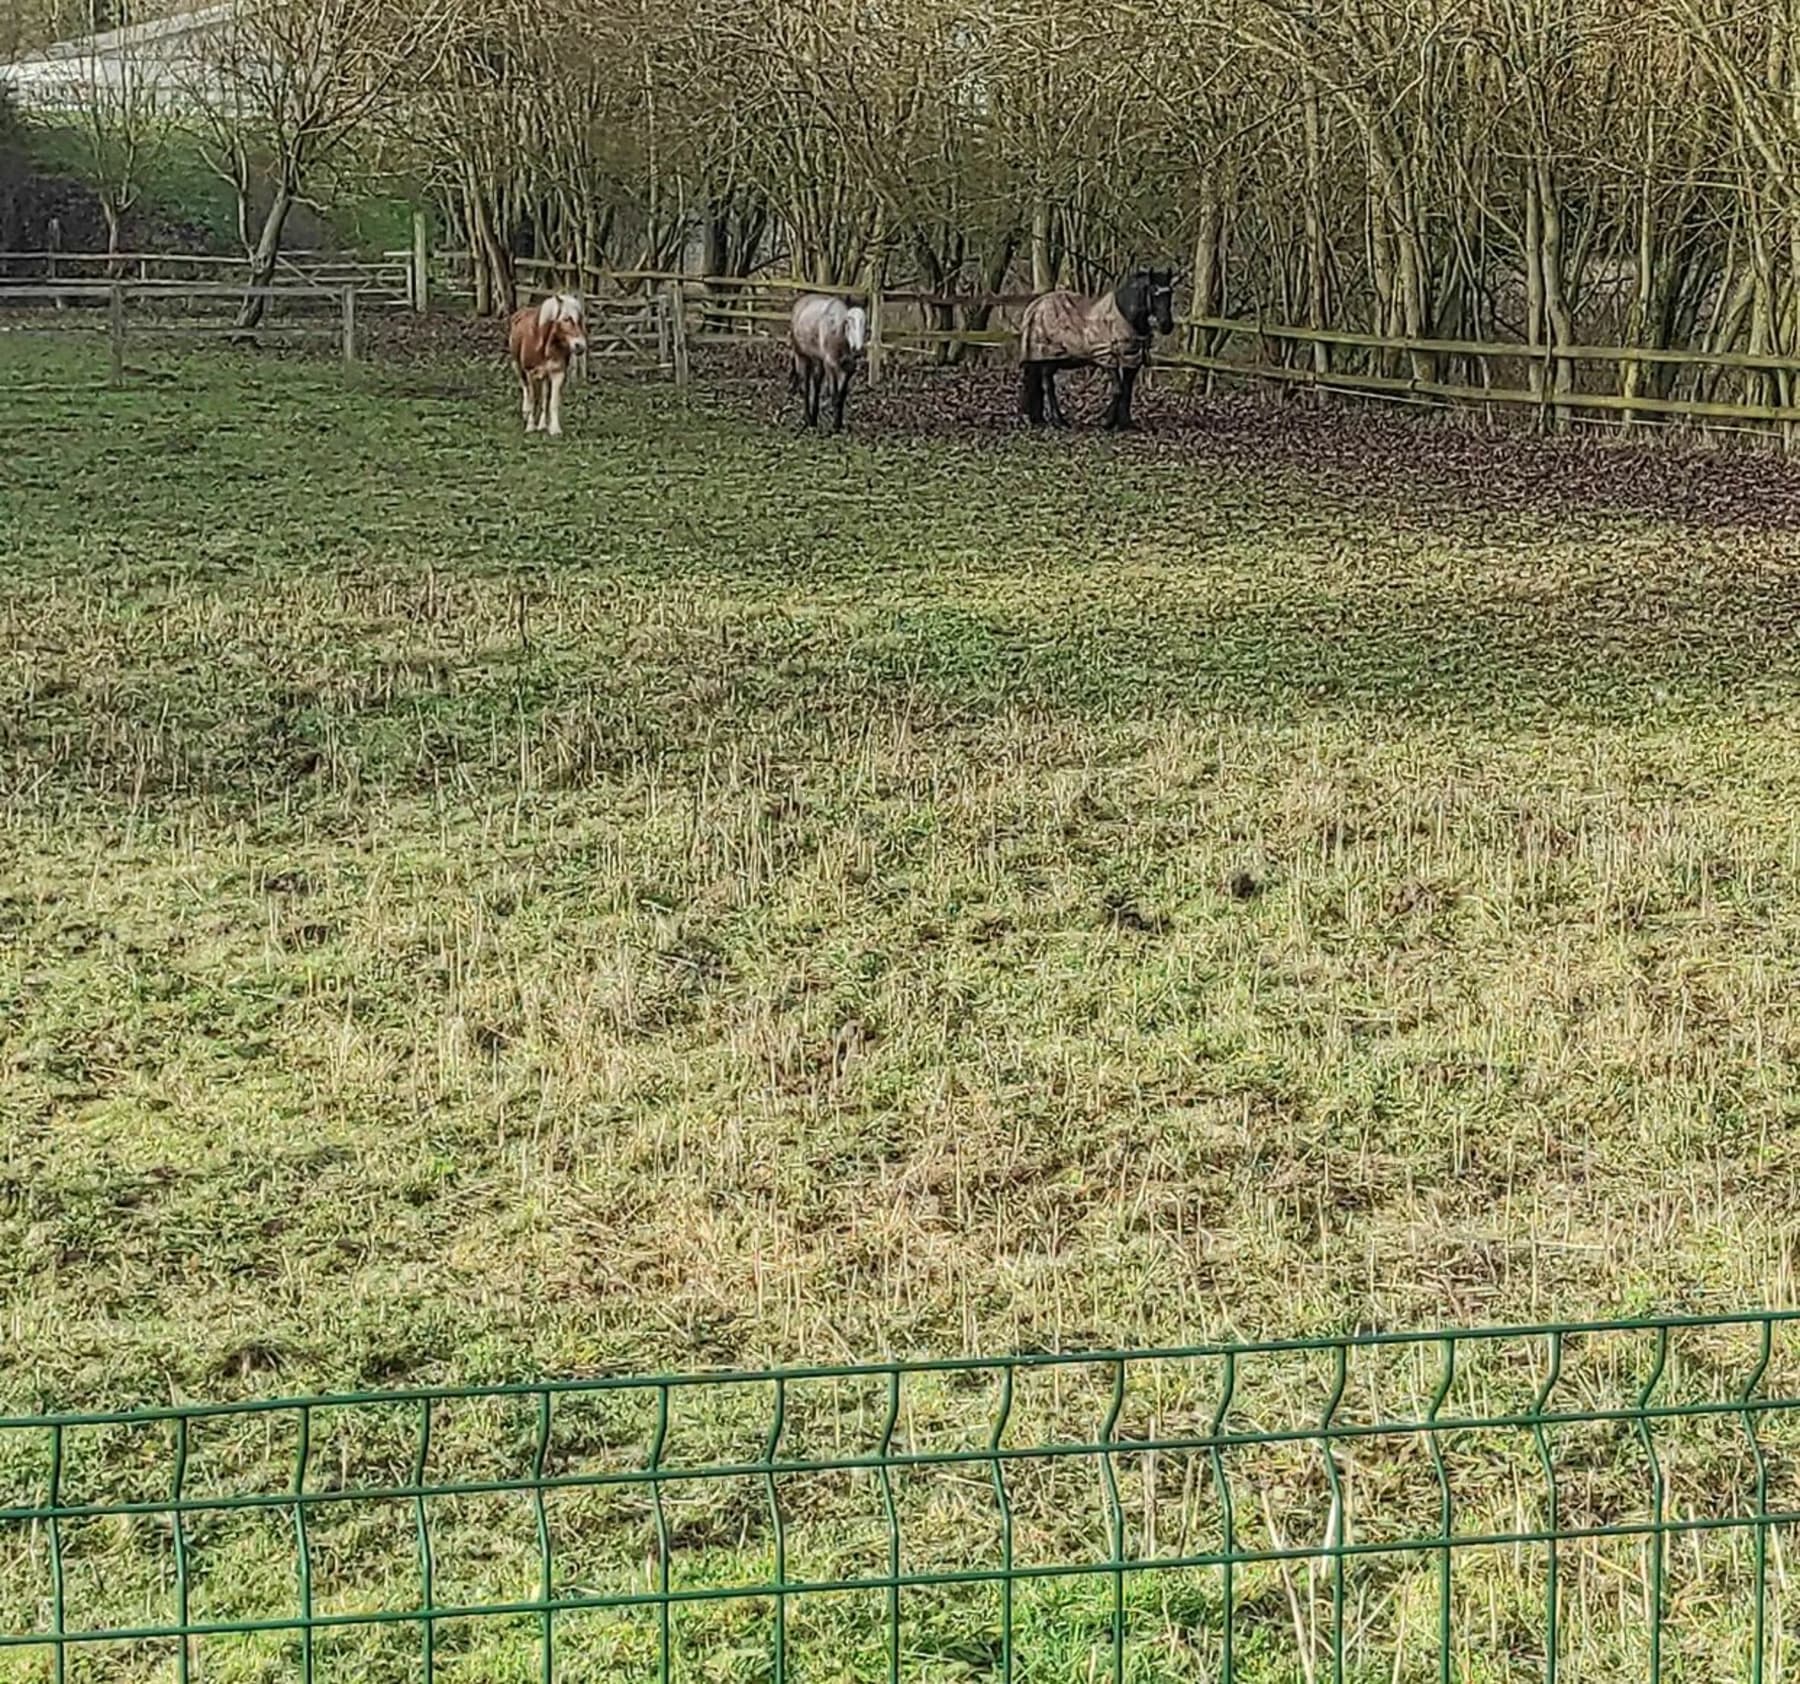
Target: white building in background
[154, 62]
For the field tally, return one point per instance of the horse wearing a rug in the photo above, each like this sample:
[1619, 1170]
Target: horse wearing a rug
[545, 340]
[1064, 330]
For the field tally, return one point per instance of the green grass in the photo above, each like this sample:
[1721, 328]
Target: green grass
[178, 188]
[475, 909]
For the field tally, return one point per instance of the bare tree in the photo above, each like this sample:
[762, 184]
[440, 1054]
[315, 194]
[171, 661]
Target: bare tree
[282, 87]
[123, 121]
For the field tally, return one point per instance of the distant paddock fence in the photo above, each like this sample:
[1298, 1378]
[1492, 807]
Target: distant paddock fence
[1555, 385]
[659, 318]
[645, 325]
[404, 279]
[130, 312]
[1603, 1500]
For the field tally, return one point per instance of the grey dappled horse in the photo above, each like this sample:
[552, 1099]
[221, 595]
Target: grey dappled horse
[829, 336]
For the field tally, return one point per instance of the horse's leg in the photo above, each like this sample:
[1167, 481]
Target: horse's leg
[556, 386]
[1032, 393]
[815, 391]
[1115, 408]
[1053, 408]
[1118, 417]
[839, 395]
[1127, 385]
[525, 398]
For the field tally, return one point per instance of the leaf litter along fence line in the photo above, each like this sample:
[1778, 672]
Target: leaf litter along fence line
[1603, 1500]
[1618, 384]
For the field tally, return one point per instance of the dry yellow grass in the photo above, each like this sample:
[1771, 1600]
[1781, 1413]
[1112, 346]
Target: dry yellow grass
[759, 900]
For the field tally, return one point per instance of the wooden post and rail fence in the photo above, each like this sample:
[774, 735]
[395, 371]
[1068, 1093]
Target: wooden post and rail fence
[393, 279]
[319, 311]
[659, 317]
[1557, 381]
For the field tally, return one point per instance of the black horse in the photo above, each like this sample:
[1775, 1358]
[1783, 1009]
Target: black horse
[1065, 330]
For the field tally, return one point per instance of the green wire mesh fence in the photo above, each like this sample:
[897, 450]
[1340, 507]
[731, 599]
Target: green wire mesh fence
[1608, 1500]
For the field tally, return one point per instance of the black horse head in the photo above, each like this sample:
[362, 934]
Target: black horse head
[1146, 299]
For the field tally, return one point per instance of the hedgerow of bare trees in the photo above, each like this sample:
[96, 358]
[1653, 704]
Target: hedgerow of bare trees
[1552, 172]
[1537, 170]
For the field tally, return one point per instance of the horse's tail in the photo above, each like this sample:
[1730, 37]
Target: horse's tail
[856, 330]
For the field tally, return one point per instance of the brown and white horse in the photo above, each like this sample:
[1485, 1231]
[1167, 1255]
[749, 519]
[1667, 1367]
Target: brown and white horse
[545, 339]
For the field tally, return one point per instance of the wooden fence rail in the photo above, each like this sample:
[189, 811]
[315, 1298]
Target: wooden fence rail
[393, 279]
[656, 316]
[1564, 381]
[335, 315]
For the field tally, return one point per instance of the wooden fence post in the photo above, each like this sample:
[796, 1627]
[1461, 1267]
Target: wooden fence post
[52, 245]
[876, 356]
[349, 309]
[421, 262]
[116, 331]
[678, 340]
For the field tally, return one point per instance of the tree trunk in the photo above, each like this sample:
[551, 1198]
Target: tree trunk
[939, 318]
[993, 279]
[1637, 331]
[495, 284]
[1208, 272]
[1534, 283]
[1556, 309]
[1043, 262]
[114, 221]
[1385, 318]
[264, 256]
[1761, 384]
[1318, 254]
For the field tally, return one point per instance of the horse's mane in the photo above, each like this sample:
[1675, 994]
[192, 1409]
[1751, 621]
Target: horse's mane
[856, 328]
[1132, 296]
[559, 307]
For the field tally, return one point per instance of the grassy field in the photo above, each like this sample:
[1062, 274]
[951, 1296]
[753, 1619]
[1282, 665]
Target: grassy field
[473, 909]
